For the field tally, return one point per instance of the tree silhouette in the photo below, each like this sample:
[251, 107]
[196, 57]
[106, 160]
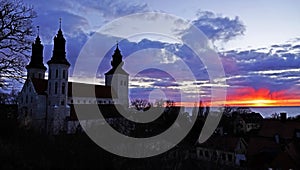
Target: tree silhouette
[141, 104]
[15, 39]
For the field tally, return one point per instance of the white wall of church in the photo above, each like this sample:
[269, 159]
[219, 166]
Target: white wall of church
[58, 84]
[32, 107]
[119, 83]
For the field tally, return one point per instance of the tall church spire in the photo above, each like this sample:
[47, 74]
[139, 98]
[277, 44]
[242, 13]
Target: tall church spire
[37, 54]
[36, 67]
[118, 78]
[117, 58]
[57, 89]
[59, 52]
[117, 62]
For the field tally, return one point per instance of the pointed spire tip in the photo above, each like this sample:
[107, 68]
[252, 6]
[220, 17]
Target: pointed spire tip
[59, 23]
[117, 45]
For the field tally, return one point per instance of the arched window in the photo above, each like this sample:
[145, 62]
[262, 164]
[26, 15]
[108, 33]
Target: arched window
[56, 86]
[56, 73]
[63, 88]
[64, 73]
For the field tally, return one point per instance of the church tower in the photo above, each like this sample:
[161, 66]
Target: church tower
[117, 78]
[36, 67]
[58, 109]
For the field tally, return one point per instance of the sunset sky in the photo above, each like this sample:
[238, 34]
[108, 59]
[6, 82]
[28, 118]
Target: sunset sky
[258, 43]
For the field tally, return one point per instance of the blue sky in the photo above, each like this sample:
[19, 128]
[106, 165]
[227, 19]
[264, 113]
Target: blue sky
[267, 22]
[258, 41]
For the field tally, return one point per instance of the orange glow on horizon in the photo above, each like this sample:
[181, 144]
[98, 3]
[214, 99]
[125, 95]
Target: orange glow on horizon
[249, 97]
[263, 97]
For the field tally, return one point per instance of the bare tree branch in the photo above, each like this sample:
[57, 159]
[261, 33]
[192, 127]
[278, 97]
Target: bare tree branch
[15, 39]
[141, 104]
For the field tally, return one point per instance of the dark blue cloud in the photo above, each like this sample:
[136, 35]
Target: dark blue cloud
[219, 27]
[277, 68]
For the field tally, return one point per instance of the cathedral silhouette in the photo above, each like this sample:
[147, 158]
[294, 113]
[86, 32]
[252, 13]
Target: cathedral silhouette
[47, 105]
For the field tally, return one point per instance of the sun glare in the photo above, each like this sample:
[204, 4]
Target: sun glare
[262, 102]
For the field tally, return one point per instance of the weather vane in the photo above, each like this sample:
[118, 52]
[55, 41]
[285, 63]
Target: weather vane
[38, 30]
[59, 23]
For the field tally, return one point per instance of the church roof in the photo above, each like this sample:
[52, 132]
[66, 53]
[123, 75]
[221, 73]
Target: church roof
[100, 91]
[283, 129]
[41, 85]
[118, 71]
[226, 143]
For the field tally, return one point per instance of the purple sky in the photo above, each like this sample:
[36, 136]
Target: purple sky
[258, 42]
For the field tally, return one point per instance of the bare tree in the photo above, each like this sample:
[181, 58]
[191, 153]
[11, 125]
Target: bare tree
[275, 115]
[9, 98]
[15, 39]
[141, 104]
[170, 103]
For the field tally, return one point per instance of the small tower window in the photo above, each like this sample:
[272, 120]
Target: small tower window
[26, 99]
[63, 88]
[56, 73]
[55, 90]
[64, 73]
[121, 82]
[40, 75]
